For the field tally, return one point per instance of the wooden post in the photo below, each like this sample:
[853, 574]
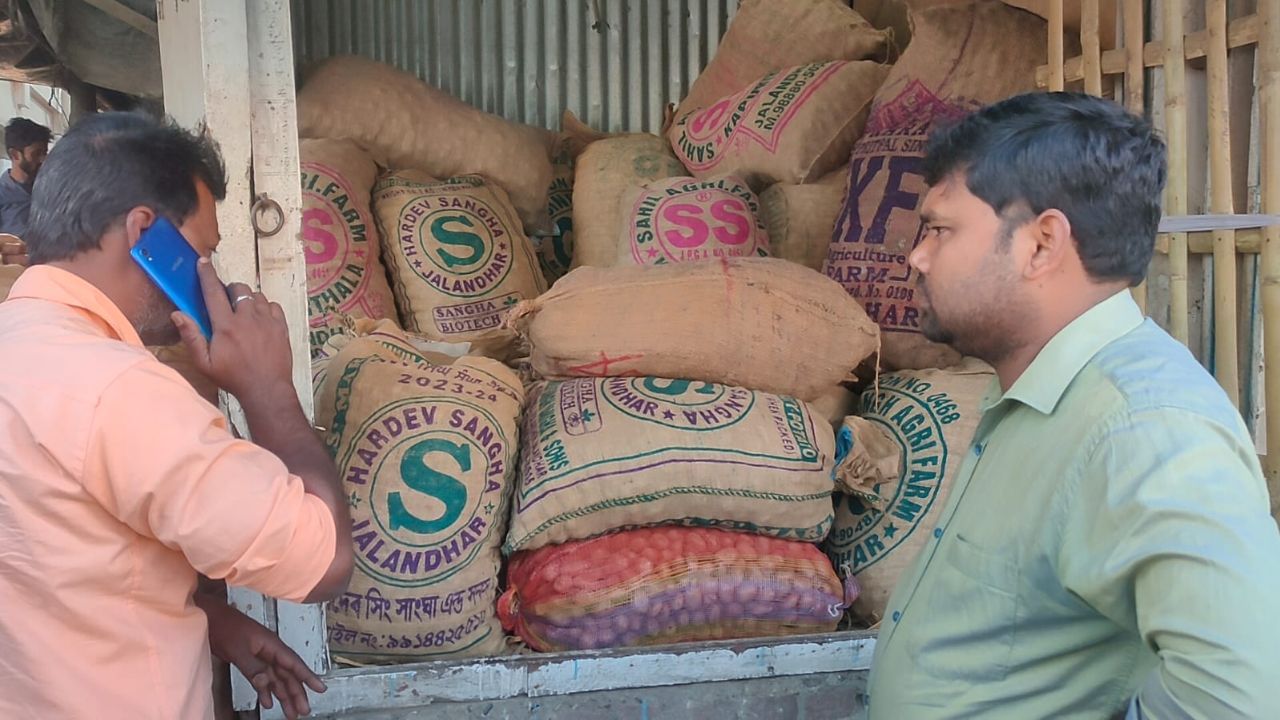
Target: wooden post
[282, 266]
[1225, 335]
[1176, 189]
[1057, 62]
[1134, 85]
[1091, 46]
[1268, 79]
[229, 66]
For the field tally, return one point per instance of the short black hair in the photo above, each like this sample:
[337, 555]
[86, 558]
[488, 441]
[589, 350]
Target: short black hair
[108, 164]
[22, 133]
[1102, 166]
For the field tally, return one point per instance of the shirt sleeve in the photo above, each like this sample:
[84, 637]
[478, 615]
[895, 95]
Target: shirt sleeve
[162, 460]
[1169, 536]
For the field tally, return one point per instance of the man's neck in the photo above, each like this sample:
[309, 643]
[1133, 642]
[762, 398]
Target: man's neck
[1054, 320]
[19, 176]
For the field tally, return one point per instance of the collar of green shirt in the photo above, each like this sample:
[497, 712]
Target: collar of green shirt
[1043, 383]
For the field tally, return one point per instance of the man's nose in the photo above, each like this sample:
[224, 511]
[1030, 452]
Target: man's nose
[919, 257]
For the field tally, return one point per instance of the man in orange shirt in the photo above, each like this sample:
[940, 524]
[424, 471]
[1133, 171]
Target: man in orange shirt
[119, 485]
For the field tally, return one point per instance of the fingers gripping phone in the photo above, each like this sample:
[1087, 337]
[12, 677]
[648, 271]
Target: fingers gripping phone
[170, 261]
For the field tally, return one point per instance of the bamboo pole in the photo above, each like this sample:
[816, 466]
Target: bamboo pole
[1225, 319]
[1241, 32]
[1268, 78]
[1057, 61]
[1134, 86]
[1091, 45]
[1175, 103]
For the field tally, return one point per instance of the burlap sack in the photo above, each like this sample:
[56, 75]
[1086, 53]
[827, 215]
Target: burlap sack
[761, 323]
[602, 174]
[404, 123]
[793, 125]
[427, 456]
[684, 219]
[602, 454]
[962, 57]
[555, 251]
[767, 35]
[340, 238]
[926, 419]
[799, 218]
[459, 261]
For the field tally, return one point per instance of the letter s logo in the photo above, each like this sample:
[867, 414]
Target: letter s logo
[736, 227]
[419, 476]
[318, 245]
[457, 238]
[673, 388]
[690, 231]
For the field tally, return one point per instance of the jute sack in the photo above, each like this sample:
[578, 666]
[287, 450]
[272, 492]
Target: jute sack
[555, 251]
[921, 422]
[404, 123]
[339, 237]
[427, 455]
[684, 219]
[603, 454]
[793, 125]
[458, 258]
[799, 218]
[961, 57]
[761, 323]
[602, 175]
[766, 35]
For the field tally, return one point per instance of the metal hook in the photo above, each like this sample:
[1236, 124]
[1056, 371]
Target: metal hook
[261, 205]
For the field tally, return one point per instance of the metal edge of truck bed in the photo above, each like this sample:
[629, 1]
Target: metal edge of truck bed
[356, 691]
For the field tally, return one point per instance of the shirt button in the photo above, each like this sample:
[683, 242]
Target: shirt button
[897, 616]
[937, 532]
[977, 449]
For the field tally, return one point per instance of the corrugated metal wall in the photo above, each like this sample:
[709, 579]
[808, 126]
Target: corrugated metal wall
[616, 64]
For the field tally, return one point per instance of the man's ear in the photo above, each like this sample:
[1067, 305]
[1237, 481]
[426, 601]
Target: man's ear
[139, 219]
[1051, 233]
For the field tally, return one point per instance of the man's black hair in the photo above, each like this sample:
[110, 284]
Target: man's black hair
[1103, 167]
[22, 133]
[107, 165]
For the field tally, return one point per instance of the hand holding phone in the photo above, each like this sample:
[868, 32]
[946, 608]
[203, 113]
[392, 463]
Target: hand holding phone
[249, 354]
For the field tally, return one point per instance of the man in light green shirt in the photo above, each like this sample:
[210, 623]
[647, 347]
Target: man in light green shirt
[1106, 550]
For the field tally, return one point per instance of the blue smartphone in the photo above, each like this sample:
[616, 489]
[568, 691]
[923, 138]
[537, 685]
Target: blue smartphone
[170, 261]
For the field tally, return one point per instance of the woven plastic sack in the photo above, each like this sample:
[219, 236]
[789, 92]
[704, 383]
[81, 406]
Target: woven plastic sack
[601, 454]
[427, 456]
[665, 585]
[684, 219]
[340, 238]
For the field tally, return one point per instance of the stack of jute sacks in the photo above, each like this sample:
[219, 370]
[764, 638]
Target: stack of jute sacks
[676, 463]
[909, 440]
[417, 207]
[676, 395]
[418, 211]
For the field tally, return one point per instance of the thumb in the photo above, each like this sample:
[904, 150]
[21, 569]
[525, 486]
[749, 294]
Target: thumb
[193, 339]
